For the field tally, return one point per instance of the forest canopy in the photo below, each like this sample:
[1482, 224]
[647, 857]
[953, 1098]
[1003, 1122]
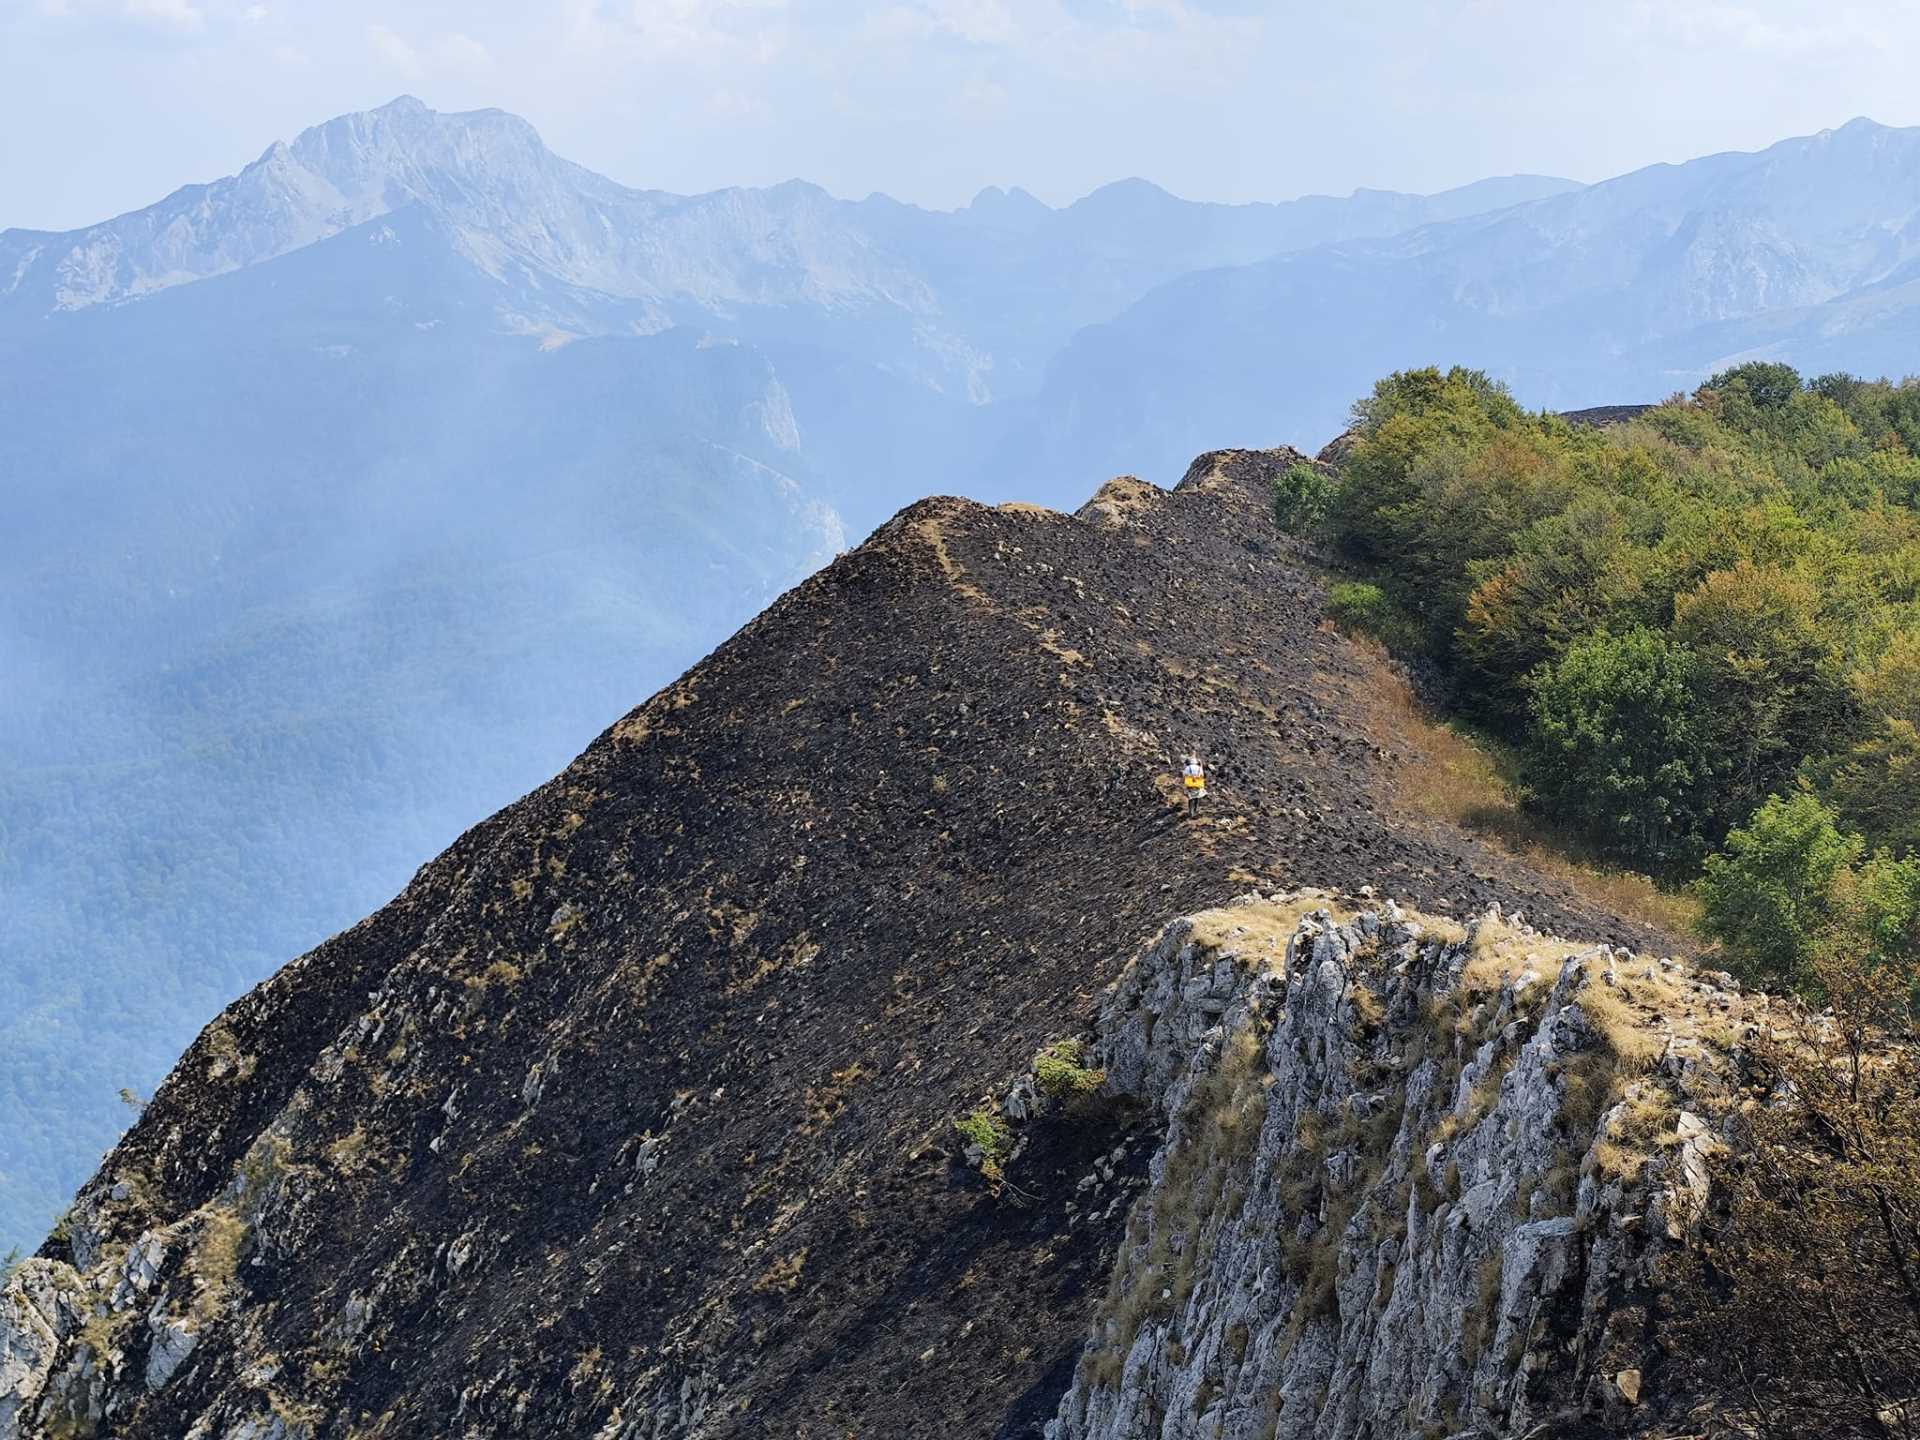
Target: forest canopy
[1699, 629]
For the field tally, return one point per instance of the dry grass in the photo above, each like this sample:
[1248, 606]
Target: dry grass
[1450, 778]
[225, 1050]
[1643, 1125]
[1635, 1014]
[1480, 1102]
[1481, 1323]
[103, 1331]
[1260, 930]
[1501, 953]
[1221, 1122]
[782, 1277]
[503, 973]
[1634, 1042]
[215, 1258]
[347, 1152]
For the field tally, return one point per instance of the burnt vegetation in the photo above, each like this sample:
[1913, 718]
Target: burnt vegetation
[641, 1098]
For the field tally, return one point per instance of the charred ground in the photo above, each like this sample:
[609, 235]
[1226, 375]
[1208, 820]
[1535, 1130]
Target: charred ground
[634, 1110]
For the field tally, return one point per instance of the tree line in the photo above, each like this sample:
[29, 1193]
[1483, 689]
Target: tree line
[1698, 631]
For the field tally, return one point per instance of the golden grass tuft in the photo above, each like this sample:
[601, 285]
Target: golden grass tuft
[347, 1152]
[215, 1258]
[1634, 1041]
[1642, 1125]
[782, 1277]
[1451, 778]
[1261, 929]
[1480, 1102]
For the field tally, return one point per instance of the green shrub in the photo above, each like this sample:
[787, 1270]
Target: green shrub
[1615, 748]
[985, 1130]
[1302, 498]
[1792, 886]
[1062, 1074]
[1364, 609]
[1766, 898]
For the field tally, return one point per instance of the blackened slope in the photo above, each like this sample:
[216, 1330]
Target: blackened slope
[1601, 416]
[635, 1107]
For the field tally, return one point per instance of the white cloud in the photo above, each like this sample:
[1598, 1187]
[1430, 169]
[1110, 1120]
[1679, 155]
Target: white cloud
[979, 22]
[462, 52]
[1784, 31]
[454, 53]
[728, 103]
[689, 31]
[392, 49]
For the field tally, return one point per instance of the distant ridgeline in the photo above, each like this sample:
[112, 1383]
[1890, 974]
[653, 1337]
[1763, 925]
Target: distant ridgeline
[1697, 624]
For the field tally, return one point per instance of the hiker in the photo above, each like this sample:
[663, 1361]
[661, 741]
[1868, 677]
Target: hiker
[1195, 779]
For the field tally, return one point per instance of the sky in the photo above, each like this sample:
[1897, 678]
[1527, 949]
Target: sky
[107, 105]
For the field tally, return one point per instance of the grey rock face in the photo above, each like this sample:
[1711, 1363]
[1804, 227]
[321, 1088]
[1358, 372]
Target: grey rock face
[40, 1307]
[1392, 1197]
[173, 1342]
[80, 1346]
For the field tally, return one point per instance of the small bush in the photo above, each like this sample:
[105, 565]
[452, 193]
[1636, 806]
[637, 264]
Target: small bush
[1792, 885]
[1356, 606]
[984, 1130]
[1302, 498]
[1062, 1075]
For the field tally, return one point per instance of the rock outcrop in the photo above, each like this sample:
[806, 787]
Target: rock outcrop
[1413, 1182]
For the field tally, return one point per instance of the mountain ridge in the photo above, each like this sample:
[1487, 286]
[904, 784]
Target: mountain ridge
[641, 260]
[1626, 290]
[654, 1071]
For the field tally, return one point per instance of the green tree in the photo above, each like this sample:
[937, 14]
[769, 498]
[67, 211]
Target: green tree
[1874, 787]
[1615, 746]
[1772, 677]
[1769, 896]
[1569, 575]
[1302, 497]
[1764, 528]
[1764, 385]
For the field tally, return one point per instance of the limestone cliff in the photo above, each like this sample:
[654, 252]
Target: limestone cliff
[1413, 1181]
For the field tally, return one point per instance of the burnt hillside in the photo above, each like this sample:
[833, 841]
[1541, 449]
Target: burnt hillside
[632, 1115]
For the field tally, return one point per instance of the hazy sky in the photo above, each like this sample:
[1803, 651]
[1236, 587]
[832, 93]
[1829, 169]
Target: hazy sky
[106, 105]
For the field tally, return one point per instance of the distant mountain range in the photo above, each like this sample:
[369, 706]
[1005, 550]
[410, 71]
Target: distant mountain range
[348, 496]
[1807, 252]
